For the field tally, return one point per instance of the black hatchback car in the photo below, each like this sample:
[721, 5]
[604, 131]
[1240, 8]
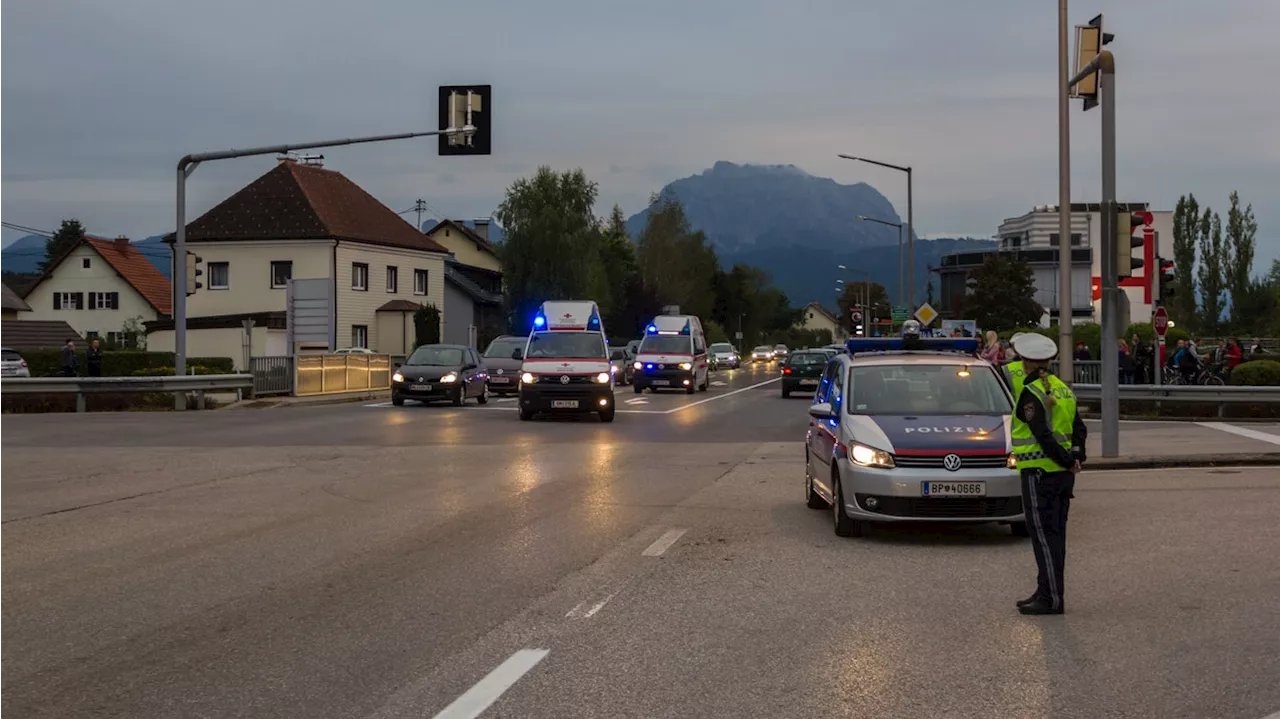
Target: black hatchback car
[441, 372]
[803, 369]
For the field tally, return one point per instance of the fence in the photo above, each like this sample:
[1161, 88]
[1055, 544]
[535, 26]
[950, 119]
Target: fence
[1086, 371]
[334, 373]
[1158, 394]
[80, 386]
[271, 375]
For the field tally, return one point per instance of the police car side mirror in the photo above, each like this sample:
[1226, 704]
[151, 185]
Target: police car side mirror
[517, 353]
[821, 410]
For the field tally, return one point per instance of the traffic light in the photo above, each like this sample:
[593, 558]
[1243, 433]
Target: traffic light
[1089, 40]
[1126, 223]
[194, 262]
[470, 107]
[1167, 280]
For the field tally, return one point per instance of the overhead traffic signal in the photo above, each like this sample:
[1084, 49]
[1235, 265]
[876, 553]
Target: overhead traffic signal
[194, 270]
[1089, 41]
[1126, 223]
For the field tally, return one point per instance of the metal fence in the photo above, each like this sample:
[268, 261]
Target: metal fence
[1086, 371]
[334, 373]
[271, 375]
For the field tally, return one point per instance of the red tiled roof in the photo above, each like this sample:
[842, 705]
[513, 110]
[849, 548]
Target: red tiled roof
[138, 271]
[467, 232]
[399, 306]
[296, 202]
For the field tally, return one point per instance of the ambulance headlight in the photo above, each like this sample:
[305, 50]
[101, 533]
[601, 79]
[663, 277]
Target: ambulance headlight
[686, 365]
[603, 378]
[528, 378]
[638, 365]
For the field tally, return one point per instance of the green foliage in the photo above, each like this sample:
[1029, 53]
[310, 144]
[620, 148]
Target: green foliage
[1211, 275]
[168, 371]
[714, 332]
[746, 300]
[622, 284]
[70, 233]
[857, 294]
[1002, 294]
[426, 326]
[1186, 222]
[1257, 373]
[122, 363]
[798, 338]
[677, 263]
[1242, 228]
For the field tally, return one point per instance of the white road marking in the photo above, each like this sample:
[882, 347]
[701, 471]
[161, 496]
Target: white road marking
[718, 383]
[663, 543]
[722, 396]
[1242, 431]
[506, 399]
[578, 612]
[380, 404]
[479, 697]
[638, 400]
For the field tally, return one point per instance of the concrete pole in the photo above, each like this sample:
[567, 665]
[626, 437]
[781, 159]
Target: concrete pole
[1111, 292]
[899, 264]
[911, 248]
[1066, 366]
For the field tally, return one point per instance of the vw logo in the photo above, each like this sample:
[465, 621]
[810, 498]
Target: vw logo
[564, 379]
[499, 370]
[661, 366]
[421, 379]
[951, 462]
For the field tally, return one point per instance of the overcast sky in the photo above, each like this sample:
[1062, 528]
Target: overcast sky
[100, 99]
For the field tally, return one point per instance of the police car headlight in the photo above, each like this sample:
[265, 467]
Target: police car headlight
[686, 365]
[868, 457]
[603, 378]
[528, 378]
[449, 378]
[1011, 462]
[397, 377]
[638, 365]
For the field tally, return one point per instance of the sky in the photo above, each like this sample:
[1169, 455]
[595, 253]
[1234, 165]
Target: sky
[98, 100]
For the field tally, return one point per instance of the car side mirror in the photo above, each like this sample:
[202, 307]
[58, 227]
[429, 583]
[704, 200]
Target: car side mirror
[821, 410]
[517, 354]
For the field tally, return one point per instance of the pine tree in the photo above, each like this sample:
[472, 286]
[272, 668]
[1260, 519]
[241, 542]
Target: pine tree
[68, 235]
[1186, 221]
[1212, 273]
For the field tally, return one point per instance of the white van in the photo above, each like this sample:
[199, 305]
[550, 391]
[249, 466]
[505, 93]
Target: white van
[673, 354]
[565, 362]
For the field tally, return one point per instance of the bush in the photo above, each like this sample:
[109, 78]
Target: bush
[168, 371]
[1257, 373]
[123, 363]
[714, 332]
[426, 326]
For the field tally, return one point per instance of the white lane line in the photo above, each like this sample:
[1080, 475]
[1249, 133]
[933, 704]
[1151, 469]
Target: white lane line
[637, 400]
[722, 396]
[479, 697]
[663, 543]
[380, 404]
[582, 611]
[1242, 431]
[506, 399]
[718, 383]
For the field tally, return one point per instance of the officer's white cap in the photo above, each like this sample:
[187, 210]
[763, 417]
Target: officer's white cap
[1034, 347]
[1016, 335]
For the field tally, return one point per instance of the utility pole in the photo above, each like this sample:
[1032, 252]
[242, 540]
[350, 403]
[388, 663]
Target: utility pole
[1066, 365]
[419, 206]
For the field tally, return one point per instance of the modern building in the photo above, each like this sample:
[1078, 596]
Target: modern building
[102, 288]
[1033, 238]
[473, 282]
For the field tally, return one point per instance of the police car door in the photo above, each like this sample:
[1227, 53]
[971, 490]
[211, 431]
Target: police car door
[822, 433]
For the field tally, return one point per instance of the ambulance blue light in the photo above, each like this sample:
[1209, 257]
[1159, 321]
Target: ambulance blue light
[539, 321]
[898, 344]
[652, 329]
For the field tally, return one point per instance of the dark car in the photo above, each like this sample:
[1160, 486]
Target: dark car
[504, 372]
[441, 372]
[802, 370]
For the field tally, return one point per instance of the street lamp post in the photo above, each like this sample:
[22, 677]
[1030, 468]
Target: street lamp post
[899, 226]
[911, 247]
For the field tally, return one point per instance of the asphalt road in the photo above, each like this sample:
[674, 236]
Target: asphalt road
[373, 561]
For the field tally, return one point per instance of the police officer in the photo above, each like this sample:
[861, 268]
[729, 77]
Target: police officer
[1048, 440]
[1013, 371]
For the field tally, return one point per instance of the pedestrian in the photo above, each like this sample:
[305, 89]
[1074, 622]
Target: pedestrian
[1048, 439]
[1233, 354]
[68, 357]
[1082, 352]
[93, 358]
[991, 351]
[1141, 353]
[1127, 365]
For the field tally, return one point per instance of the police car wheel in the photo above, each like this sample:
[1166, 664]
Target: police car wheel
[844, 526]
[1019, 529]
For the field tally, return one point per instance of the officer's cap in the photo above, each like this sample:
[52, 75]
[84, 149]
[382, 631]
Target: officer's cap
[1034, 347]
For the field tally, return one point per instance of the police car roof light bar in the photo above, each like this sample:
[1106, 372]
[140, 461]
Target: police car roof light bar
[859, 345]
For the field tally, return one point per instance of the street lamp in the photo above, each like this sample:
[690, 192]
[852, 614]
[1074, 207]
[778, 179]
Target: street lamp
[911, 247]
[899, 226]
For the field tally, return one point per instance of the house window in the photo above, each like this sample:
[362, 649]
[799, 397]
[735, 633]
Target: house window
[104, 300]
[360, 336]
[220, 275]
[281, 273]
[85, 263]
[393, 279]
[360, 277]
[419, 282]
[68, 300]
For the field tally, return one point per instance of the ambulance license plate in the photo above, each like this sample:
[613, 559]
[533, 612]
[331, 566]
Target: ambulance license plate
[661, 383]
[953, 489]
[564, 404]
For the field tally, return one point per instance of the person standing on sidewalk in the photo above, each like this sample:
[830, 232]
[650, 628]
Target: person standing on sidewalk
[68, 359]
[1048, 439]
[93, 359]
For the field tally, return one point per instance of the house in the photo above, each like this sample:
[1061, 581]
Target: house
[817, 317]
[473, 282]
[303, 221]
[13, 304]
[36, 334]
[102, 288]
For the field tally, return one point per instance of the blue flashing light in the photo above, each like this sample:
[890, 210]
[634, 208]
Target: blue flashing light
[898, 344]
[539, 321]
[652, 329]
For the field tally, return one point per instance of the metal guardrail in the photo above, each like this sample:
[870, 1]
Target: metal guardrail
[272, 375]
[1184, 393]
[335, 373]
[81, 386]
[1086, 371]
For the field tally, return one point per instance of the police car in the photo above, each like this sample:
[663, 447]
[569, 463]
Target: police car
[918, 435]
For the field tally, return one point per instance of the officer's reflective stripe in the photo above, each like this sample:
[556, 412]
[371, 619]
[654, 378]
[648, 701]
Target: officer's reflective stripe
[1030, 441]
[1037, 454]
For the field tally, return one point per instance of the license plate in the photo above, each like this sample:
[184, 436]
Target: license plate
[564, 404]
[499, 380]
[661, 383]
[420, 387]
[808, 383]
[953, 489]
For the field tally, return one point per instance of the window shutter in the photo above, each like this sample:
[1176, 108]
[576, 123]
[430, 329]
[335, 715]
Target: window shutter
[114, 298]
[79, 300]
[57, 300]
[93, 296]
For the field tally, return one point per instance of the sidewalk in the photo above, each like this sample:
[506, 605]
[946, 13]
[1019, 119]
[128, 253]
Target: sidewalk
[310, 401]
[1155, 444]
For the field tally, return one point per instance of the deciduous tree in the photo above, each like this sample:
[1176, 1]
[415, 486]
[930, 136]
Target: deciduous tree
[1186, 231]
[1002, 294]
[68, 235]
[1211, 275]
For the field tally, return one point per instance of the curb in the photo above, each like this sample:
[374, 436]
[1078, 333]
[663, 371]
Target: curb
[1265, 459]
[268, 403]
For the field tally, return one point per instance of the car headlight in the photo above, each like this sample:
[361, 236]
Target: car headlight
[603, 378]
[686, 365]
[613, 369]
[397, 377]
[1011, 462]
[528, 378]
[449, 378]
[638, 365]
[868, 457]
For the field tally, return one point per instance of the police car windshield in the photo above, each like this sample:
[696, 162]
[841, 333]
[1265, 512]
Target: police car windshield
[563, 345]
[667, 344]
[927, 389]
[503, 347]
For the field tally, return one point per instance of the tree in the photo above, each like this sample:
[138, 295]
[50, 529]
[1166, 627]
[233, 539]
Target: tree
[426, 326]
[1002, 294]
[1241, 230]
[552, 242]
[1186, 222]
[1211, 275]
[859, 294]
[68, 235]
[676, 263]
[928, 294]
[621, 275]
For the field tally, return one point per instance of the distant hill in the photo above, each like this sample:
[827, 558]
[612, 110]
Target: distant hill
[800, 227]
[26, 253]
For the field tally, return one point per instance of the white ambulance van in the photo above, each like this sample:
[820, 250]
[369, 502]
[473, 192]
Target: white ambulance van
[565, 363]
[673, 354]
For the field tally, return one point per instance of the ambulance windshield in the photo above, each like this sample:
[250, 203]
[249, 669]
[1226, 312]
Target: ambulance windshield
[667, 345]
[565, 345]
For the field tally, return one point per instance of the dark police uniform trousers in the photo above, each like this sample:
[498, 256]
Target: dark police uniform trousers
[1046, 501]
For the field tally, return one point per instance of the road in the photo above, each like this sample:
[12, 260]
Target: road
[373, 561]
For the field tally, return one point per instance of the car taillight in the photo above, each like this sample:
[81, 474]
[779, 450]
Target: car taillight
[24, 363]
[786, 370]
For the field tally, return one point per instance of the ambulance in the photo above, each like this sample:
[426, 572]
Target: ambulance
[673, 354]
[565, 363]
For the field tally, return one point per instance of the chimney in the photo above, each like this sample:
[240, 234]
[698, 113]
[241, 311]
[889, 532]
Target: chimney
[122, 240]
[482, 228]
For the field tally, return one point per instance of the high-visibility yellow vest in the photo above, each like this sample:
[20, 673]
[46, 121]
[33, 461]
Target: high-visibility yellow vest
[1016, 375]
[1059, 403]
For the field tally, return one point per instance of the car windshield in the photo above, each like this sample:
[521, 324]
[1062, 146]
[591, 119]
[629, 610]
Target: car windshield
[502, 347]
[563, 345]
[437, 356]
[667, 344]
[11, 356]
[722, 347]
[927, 389]
[762, 348]
[807, 358]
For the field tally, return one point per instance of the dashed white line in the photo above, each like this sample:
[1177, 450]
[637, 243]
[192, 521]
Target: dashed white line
[1242, 431]
[506, 399]
[637, 400]
[663, 543]
[582, 611]
[722, 396]
[479, 697]
[380, 404]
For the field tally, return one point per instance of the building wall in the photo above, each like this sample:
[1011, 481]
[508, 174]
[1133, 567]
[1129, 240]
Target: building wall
[459, 316]
[221, 342]
[395, 333]
[249, 274]
[815, 320]
[356, 307]
[72, 276]
[464, 248]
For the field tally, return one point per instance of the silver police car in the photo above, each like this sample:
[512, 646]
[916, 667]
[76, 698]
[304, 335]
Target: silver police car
[917, 436]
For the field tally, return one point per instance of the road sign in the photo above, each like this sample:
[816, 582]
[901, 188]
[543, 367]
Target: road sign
[737, 335]
[461, 106]
[857, 316]
[926, 314]
[900, 314]
[1161, 321]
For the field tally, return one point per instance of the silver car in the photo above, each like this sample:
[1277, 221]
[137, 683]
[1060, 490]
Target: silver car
[724, 355]
[13, 365]
[912, 436]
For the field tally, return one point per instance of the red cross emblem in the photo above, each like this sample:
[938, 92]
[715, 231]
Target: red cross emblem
[568, 316]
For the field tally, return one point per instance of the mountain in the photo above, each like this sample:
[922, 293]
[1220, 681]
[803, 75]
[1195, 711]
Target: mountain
[800, 228]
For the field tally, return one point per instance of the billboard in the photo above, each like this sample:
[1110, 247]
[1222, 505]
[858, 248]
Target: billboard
[966, 328]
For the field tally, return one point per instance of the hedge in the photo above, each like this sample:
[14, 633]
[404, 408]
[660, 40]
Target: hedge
[1257, 373]
[122, 363]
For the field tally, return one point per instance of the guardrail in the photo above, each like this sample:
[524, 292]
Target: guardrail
[81, 386]
[272, 375]
[1221, 396]
[1086, 371]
